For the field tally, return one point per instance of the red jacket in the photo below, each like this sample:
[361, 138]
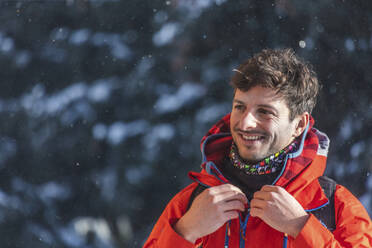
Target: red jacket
[298, 177]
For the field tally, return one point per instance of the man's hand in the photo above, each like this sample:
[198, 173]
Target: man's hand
[210, 210]
[280, 210]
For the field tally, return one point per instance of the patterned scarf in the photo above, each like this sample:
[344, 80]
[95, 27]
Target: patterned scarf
[268, 165]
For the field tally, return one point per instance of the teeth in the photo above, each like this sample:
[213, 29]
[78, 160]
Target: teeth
[251, 137]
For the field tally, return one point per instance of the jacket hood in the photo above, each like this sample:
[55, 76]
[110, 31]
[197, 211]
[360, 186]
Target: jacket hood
[298, 175]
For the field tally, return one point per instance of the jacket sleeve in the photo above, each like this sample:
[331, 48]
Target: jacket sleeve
[353, 225]
[163, 234]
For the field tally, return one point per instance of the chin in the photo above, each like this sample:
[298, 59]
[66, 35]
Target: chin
[250, 158]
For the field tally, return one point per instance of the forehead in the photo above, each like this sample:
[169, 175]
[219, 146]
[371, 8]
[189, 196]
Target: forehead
[258, 93]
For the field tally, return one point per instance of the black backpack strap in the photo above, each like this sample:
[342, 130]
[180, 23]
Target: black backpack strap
[200, 188]
[326, 214]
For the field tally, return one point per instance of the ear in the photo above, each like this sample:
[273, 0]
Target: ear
[301, 123]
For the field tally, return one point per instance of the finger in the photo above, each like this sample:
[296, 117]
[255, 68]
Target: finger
[270, 188]
[233, 205]
[234, 195]
[231, 197]
[256, 212]
[258, 203]
[263, 195]
[227, 192]
[229, 215]
[224, 188]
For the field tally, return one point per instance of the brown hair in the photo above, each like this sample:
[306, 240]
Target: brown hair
[291, 77]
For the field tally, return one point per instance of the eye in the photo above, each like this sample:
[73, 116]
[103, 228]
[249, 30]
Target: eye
[239, 107]
[265, 111]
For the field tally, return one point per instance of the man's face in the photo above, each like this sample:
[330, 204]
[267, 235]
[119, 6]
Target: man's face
[260, 124]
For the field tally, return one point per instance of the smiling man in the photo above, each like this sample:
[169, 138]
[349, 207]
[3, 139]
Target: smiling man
[262, 182]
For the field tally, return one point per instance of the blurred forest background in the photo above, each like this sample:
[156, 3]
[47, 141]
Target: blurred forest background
[103, 104]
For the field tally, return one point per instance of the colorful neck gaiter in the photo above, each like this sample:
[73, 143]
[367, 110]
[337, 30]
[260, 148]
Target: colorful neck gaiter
[270, 164]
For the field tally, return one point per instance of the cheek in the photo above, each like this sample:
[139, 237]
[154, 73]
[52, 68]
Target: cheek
[283, 132]
[270, 126]
[233, 119]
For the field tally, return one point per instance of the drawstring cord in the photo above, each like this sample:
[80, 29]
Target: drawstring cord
[227, 235]
[285, 240]
[243, 226]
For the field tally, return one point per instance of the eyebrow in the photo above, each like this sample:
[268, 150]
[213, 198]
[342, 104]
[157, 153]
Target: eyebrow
[238, 101]
[269, 107]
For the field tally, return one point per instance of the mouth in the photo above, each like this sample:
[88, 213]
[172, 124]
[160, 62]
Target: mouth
[251, 138]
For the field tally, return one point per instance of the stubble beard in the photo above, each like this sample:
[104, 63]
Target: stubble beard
[255, 156]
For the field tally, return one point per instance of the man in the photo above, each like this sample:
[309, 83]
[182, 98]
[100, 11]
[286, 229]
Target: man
[262, 171]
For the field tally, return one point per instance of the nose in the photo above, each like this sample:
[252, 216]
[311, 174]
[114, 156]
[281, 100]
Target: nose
[248, 121]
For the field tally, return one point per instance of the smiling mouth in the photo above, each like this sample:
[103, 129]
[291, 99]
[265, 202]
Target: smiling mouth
[251, 137]
[246, 137]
